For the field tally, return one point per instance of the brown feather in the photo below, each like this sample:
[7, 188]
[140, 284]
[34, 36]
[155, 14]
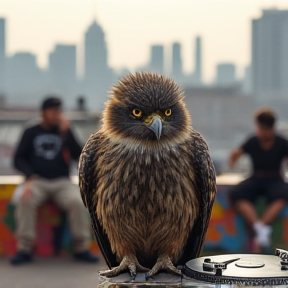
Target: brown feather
[136, 200]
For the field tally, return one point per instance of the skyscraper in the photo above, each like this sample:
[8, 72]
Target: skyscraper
[198, 61]
[177, 66]
[225, 74]
[23, 77]
[62, 71]
[269, 52]
[246, 83]
[97, 75]
[157, 59]
[2, 55]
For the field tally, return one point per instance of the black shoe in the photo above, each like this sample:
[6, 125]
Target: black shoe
[86, 256]
[21, 257]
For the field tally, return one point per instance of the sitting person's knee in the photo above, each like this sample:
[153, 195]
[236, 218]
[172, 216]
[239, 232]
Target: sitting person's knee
[27, 202]
[75, 202]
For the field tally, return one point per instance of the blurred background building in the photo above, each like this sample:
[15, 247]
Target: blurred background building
[62, 71]
[197, 74]
[97, 74]
[2, 54]
[157, 59]
[269, 53]
[177, 63]
[226, 74]
[269, 59]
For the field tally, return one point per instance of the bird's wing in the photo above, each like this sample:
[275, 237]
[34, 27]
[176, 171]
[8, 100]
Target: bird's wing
[88, 183]
[205, 189]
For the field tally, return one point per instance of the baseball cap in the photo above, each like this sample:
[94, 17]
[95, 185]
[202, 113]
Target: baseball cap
[51, 102]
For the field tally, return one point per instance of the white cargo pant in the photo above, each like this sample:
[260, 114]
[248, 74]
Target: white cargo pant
[67, 196]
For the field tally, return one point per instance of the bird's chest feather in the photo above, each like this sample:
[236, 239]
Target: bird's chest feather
[157, 183]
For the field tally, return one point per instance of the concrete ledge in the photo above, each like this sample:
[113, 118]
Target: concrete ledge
[224, 179]
[18, 179]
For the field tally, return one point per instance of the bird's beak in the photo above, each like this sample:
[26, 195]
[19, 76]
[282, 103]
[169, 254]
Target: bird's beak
[156, 125]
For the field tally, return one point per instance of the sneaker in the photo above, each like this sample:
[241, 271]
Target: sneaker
[86, 256]
[263, 234]
[21, 257]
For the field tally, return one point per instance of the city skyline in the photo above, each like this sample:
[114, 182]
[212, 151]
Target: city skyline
[130, 33]
[25, 79]
[171, 66]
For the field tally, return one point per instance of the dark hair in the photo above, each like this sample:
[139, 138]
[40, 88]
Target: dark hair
[265, 117]
[51, 102]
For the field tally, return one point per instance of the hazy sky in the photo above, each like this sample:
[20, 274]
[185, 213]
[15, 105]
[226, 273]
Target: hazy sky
[132, 25]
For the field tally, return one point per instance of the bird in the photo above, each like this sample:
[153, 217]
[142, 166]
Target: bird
[147, 178]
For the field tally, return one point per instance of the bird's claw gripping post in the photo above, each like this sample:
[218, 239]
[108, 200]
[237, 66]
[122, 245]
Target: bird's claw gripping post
[129, 263]
[163, 262]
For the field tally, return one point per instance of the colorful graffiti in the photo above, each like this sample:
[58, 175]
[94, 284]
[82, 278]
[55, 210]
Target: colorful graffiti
[7, 225]
[227, 230]
[53, 236]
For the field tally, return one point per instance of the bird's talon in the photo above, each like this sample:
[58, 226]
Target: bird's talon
[148, 277]
[164, 262]
[133, 275]
[186, 277]
[129, 263]
[109, 273]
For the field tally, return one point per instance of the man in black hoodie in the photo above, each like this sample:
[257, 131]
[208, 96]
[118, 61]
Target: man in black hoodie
[267, 151]
[43, 156]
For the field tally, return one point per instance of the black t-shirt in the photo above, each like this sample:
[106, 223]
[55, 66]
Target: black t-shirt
[266, 161]
[46, 153]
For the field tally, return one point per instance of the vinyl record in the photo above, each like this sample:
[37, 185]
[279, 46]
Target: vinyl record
[243, 269]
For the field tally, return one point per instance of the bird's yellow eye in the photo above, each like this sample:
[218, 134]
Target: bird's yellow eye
[137, 113]
[168, 112]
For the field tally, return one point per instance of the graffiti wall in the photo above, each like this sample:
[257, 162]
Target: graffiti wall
[227, 230]
[53, 236]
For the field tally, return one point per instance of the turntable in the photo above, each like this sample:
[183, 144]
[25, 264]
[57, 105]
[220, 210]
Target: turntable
[238, 269]
[242, 269]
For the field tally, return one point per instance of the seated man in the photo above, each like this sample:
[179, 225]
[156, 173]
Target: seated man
[267, 151]
[43, 156]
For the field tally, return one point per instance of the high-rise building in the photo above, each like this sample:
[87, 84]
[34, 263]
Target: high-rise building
[226, 74]
[177, 66]
[62, 71]
[246, 83]
[157, 59]
[97, 75]
[23, 77]
[198, 61]
[269, 52]
[2, 55]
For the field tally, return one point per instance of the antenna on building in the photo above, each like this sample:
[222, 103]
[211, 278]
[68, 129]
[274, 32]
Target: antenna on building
[198, 59]
[95, 9]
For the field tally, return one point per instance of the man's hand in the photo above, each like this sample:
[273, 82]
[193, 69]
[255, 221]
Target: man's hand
[27, 189]
[64, 124]
[234, 156]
